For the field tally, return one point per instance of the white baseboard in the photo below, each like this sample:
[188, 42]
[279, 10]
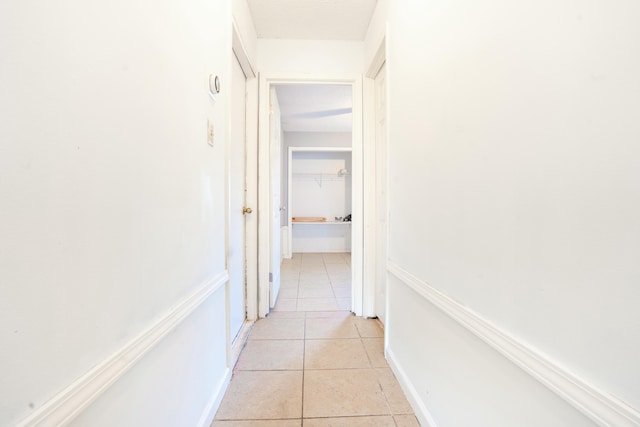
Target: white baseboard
[419, 408]
[602, 408]
[70, 402]
[238, 343]
[209, 412]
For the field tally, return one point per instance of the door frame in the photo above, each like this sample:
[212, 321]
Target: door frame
[251, 198]
[371, 202]
[275, 140]
[251, 136]
[264, 194]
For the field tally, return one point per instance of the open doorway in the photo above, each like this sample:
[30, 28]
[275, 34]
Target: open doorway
[317, 177]
[318, 197]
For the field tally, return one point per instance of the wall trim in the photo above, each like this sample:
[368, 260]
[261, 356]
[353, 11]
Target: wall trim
[378, 59]
[238, 343]
[240, 51]
[420, 409]
[70, 402]
[210, 410]
[604, 409]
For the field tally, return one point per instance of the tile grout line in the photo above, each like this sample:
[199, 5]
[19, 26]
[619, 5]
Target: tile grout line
[304, 361]
[304, 346]
[365, 350]
[298, 292]
[335, 297]
[375, 370]
[298, 286]
[386, 399]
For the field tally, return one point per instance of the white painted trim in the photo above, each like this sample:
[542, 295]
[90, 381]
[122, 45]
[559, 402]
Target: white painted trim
[419, 408]
[239, 342]
[241, 52]
[370, 154]
[357, 198]
[210, 410]
[290, 199]
[276, 144]
[369, 188]
[70, 402]
[251, 230]
[378, 59]
[264, 199]
[602, 408]
[251, 171]
[263, 170]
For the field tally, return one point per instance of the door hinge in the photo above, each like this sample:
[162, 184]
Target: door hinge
[270, 277]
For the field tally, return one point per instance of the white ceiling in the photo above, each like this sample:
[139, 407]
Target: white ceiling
[312, 19]
[315, 108]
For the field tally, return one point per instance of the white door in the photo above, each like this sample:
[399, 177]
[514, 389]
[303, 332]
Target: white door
[237, 198]
[275, 144]
[381, 195]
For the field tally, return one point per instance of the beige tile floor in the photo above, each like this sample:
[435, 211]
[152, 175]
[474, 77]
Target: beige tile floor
[312, 364]
[315, 282]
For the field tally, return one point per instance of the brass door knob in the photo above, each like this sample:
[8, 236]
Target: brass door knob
[247, 210]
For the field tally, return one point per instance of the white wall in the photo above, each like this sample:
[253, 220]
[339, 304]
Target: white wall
[316, 238]
[112, 201]
[187, 360]
[514, 144]
[461, 380]
[310, 56]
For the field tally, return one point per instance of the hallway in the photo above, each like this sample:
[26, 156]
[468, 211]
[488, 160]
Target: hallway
[312, 364]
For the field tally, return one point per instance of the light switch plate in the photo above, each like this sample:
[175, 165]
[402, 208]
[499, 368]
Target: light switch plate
[210, 133]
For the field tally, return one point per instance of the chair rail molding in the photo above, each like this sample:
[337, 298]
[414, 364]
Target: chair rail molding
[70, 402]
[602, 408]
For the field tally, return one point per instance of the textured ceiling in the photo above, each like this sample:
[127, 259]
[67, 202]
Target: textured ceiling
[315, 108]
[312, 19]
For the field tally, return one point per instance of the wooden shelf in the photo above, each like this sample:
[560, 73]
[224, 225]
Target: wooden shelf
[321, 222]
